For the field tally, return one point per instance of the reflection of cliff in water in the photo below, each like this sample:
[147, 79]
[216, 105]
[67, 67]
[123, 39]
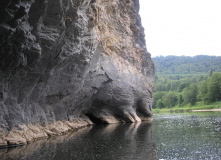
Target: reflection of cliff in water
[43, 148]
[115, 141]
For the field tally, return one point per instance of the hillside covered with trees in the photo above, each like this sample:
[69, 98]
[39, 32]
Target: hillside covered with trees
[187, 81]
[187, 65]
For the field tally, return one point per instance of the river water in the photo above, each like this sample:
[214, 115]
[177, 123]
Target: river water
[178, 136]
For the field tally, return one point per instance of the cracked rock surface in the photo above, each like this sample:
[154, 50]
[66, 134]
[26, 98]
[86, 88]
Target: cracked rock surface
[64, 60]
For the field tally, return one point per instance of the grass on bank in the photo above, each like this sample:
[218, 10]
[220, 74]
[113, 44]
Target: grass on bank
[198, 106]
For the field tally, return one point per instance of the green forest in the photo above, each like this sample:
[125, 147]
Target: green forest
[187, 82]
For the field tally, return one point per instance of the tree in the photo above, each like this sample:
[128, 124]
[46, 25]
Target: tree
[168, 86]
[180, 99]
[170, 99]
[210, 72]
[203, 91]
[183, 85]
[214, 87]
[157, 96]
[159, 104]
[190, 94]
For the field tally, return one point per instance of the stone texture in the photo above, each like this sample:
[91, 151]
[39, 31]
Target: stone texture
[28, 133]
[25, 151]
[62, 60]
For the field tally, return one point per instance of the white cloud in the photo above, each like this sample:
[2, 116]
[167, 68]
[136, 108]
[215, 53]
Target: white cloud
[182, 27]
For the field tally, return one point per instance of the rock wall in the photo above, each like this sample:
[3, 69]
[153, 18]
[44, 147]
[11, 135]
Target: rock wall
[62, 60]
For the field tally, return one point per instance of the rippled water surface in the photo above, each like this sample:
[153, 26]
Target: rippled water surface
[187, 136]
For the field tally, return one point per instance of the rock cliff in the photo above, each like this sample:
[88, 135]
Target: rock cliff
[65, 63]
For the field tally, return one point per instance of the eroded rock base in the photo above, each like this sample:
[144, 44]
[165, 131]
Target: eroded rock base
[29, 133]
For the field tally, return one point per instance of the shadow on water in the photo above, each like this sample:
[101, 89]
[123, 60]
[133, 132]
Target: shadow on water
[100, 142]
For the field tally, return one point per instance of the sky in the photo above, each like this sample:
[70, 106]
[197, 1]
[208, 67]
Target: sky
[182, 27]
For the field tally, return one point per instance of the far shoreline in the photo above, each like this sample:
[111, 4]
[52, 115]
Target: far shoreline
[207, 110]
[187, 109]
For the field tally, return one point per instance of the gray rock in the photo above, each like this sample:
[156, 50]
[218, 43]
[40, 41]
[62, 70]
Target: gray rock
[64, 59]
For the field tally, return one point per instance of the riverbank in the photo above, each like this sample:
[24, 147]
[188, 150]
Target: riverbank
[197, 108]
[207, 110]
[28, 133]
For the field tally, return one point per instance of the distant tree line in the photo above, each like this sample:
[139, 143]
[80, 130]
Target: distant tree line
[187, 65]
[187, 89]
[170, 93]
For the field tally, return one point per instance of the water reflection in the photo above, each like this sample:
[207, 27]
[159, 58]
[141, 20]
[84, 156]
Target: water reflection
[188, 136]
[181, 136]
[116, 141]
[25, 151]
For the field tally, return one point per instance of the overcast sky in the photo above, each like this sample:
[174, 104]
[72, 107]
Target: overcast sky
[182, 27]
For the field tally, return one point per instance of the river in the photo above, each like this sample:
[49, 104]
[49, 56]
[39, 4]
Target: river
[178, 136]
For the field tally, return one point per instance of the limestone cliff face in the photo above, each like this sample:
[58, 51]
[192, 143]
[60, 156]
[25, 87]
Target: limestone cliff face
[61, 60]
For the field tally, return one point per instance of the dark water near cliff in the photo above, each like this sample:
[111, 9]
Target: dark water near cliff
[186, 136]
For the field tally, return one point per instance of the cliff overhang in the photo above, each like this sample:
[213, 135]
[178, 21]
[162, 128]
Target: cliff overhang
[66, 63]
